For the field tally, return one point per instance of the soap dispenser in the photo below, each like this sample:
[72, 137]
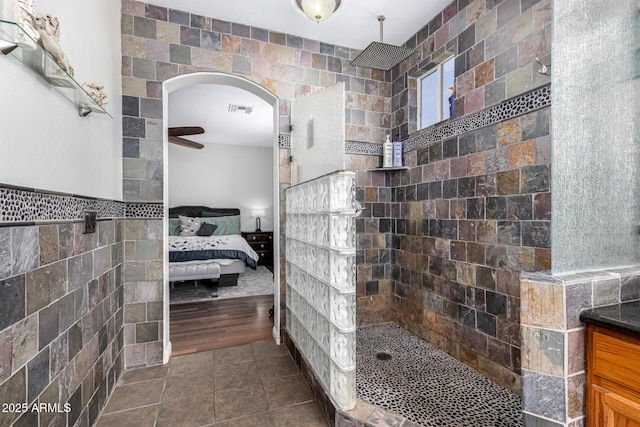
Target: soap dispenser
[387, 153]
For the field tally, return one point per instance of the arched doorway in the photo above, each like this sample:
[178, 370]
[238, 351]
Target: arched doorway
[214, 78]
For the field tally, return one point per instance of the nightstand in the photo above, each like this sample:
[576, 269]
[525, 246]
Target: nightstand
[262, 243]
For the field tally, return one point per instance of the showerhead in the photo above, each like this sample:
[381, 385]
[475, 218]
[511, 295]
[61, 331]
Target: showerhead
[382, 56]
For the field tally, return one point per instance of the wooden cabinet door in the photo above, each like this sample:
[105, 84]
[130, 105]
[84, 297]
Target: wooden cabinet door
[613, 410]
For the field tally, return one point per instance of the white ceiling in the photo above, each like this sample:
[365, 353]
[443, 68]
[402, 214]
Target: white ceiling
[207, 105]
[353, 25]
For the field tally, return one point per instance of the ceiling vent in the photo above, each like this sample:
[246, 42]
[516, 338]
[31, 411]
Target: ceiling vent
[233, 108]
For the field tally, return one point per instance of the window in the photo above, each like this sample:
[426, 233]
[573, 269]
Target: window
[434, 93]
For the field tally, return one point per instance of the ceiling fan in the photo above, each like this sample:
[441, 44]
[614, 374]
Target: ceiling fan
[175, 134]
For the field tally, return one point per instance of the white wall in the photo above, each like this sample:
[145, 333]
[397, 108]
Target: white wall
[223, 176]
[44, 143]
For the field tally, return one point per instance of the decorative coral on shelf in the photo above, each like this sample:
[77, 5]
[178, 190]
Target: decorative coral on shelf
[49, 28]
[24, 13]
[96, 91]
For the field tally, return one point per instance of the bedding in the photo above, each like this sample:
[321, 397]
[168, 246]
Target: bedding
[192, 248]
[224, 224]
[174, 227]
[203, 235]
[189, 226]
[185, 226]
[206, 229]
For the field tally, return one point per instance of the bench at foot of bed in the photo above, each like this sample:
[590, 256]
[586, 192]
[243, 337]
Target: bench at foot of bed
[193, 271]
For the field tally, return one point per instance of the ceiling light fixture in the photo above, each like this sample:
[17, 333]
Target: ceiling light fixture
[318, 10]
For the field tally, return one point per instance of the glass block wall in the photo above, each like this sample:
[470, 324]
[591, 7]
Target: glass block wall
[321, 278]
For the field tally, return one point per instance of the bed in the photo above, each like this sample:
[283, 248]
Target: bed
[205, 243]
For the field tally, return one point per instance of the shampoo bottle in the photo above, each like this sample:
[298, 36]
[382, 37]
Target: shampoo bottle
[397, 154]
[387, 153]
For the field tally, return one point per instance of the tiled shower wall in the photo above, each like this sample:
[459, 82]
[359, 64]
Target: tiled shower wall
[443, 243]
[495, 43]
[61, 314]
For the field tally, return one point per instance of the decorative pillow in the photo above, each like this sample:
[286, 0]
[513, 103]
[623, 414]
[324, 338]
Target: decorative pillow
[206, 229]
[226, 224]
[189, 226]
[174, 227]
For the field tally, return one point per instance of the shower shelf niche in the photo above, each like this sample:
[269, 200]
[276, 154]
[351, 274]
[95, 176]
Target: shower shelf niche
[38, 60]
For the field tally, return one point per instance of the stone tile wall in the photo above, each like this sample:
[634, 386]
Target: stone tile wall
[143, 292]
[374, 251]
[553, 339]
[420, 225]
[61, 318]
[443, 243]
[160, 43]
[468, 215]
[495, 43]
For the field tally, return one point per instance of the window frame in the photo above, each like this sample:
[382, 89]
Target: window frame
[440, 96]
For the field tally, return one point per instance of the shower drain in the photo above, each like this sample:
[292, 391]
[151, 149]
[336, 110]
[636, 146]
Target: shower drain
[383, 356]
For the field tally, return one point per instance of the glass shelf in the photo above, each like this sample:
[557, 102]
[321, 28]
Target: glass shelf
[31, 54]
[389, 169]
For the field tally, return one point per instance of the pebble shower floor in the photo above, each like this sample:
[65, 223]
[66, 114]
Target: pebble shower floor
[426, 385]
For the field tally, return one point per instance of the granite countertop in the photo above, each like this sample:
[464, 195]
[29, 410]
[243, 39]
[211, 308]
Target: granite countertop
[624, 317]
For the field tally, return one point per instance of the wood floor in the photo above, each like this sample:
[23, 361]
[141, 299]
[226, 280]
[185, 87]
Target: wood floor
[203, 326]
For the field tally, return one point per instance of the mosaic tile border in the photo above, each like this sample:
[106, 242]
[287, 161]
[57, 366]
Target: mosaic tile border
[516, 106]
[144, 210]
[350, 147]
[363, 148]
[27, 206]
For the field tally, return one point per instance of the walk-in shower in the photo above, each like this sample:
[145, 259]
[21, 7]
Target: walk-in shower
[384, 365]
[408, 380]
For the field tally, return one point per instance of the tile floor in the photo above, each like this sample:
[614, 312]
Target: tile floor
[250, 385]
